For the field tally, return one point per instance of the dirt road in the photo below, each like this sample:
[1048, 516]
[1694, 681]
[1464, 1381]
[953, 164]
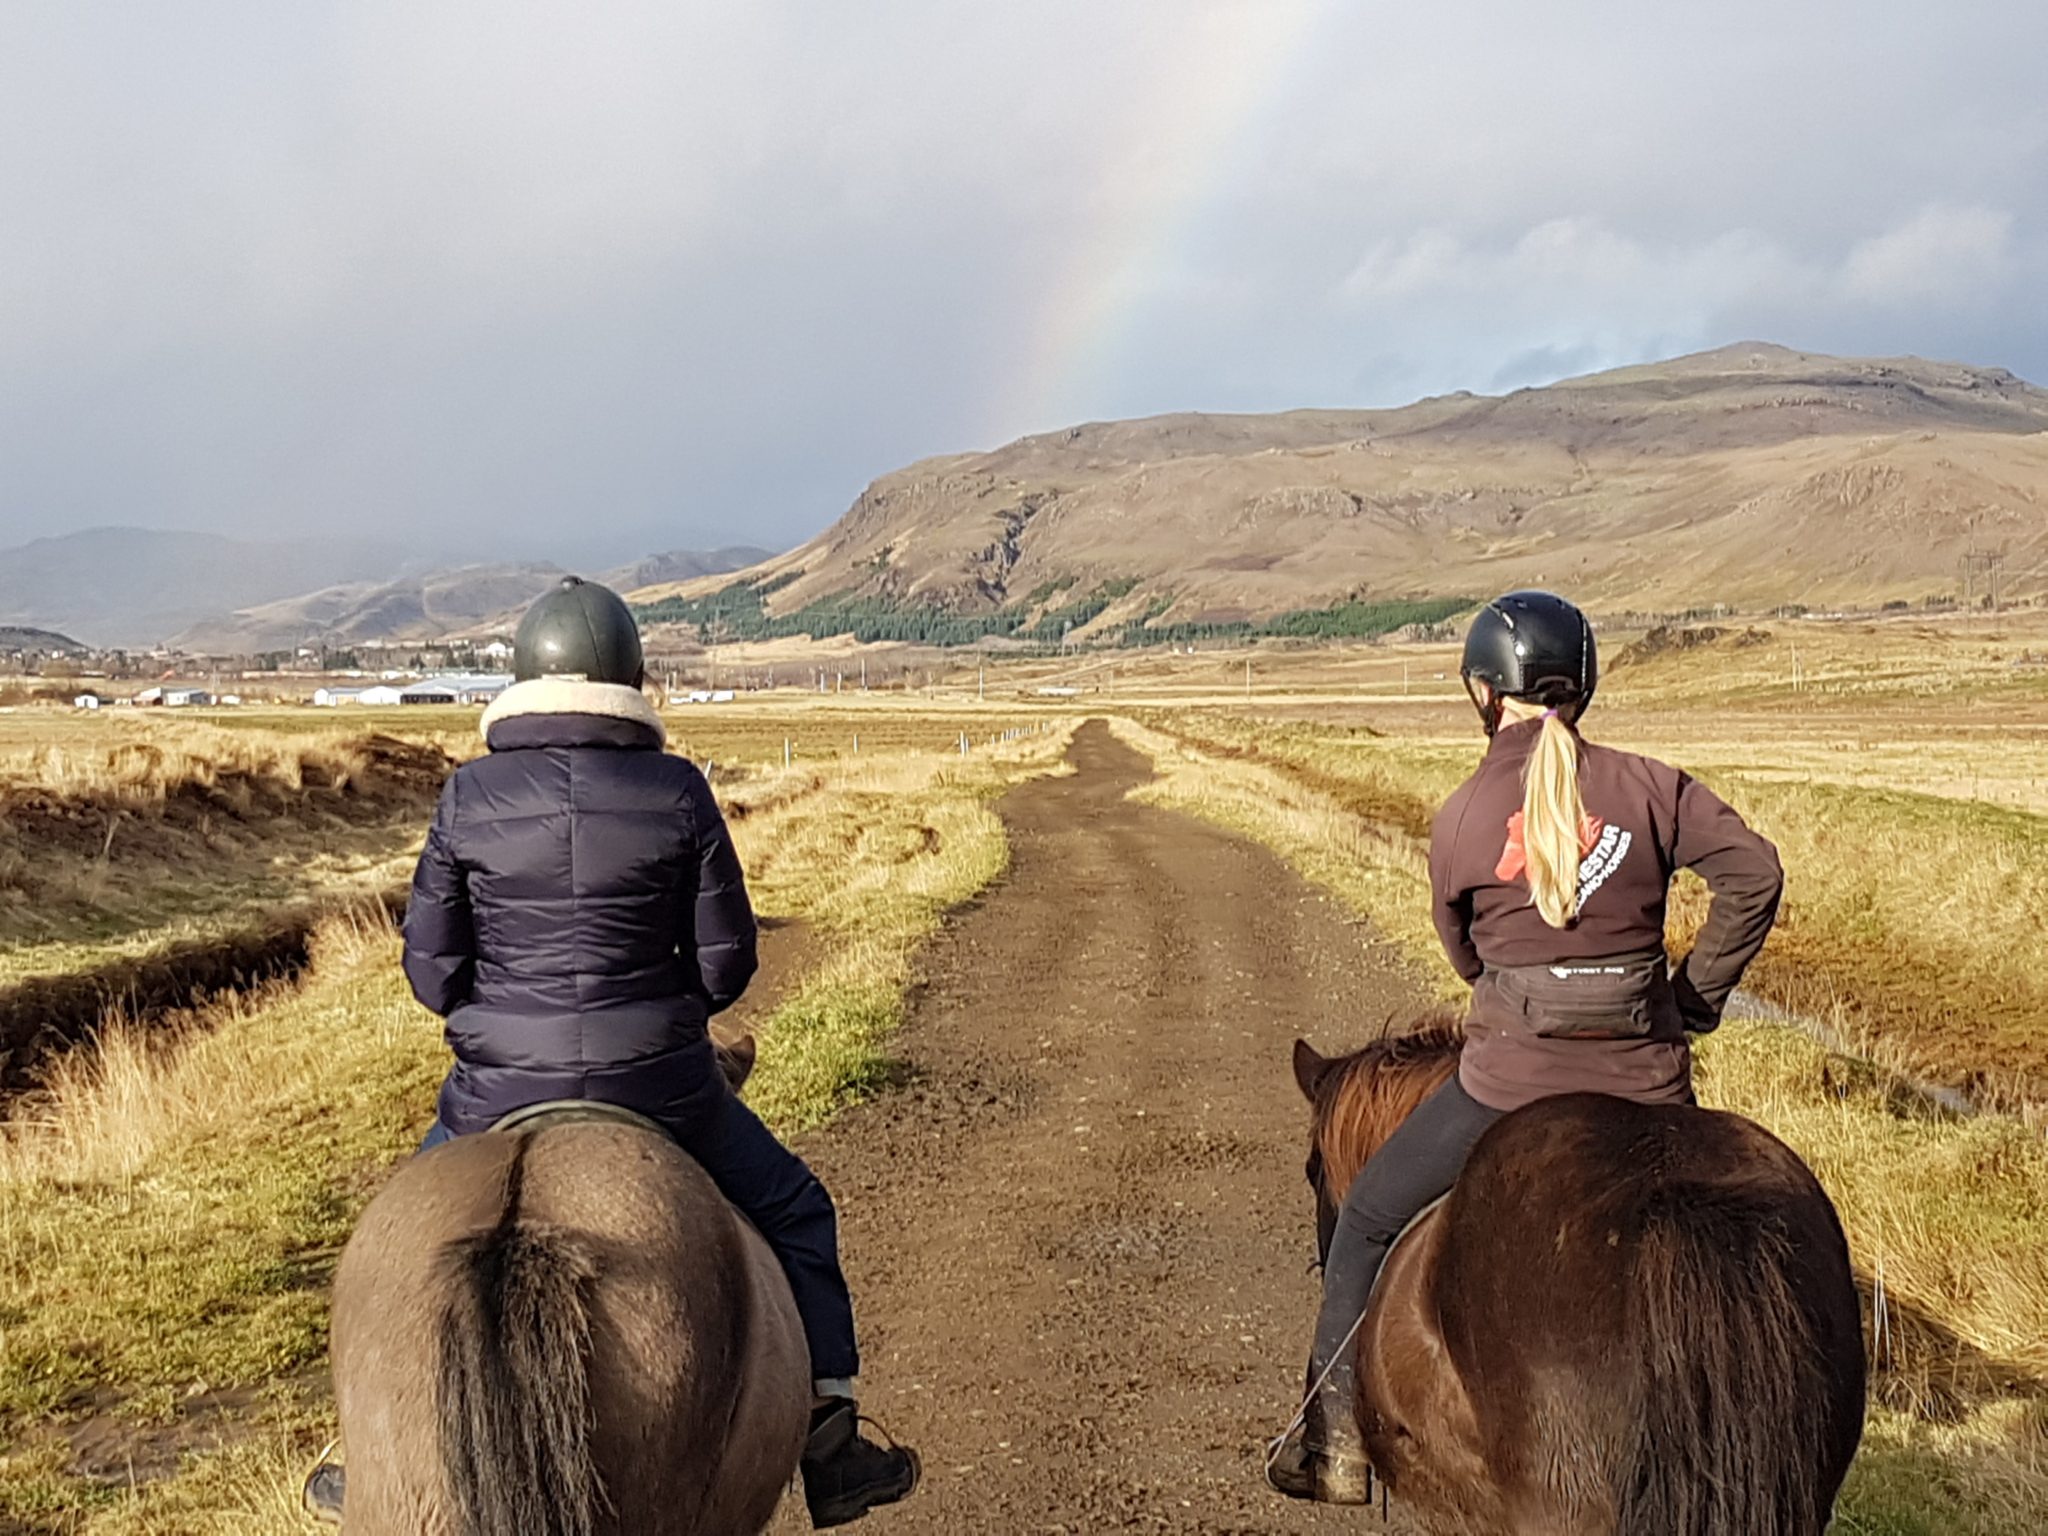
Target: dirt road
[1080, 1239]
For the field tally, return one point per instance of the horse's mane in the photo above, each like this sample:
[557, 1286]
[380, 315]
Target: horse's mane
[1361, 1098]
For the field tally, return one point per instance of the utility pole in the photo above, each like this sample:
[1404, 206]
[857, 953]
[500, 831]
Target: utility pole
[980, 683]
[1985, 564]
[1247, 677]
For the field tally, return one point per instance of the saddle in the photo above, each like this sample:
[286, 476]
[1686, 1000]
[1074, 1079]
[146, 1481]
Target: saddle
[538, 1117]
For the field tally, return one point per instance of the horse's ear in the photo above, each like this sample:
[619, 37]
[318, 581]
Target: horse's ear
[1309, 1064]
[735, 1059]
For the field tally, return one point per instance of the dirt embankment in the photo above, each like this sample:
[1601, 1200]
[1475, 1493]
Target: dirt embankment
[147, 803]
[217, 834]
[1080, 1239]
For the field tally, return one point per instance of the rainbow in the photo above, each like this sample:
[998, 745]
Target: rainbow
[1184, 129]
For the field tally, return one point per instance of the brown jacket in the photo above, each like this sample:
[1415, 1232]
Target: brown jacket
[1589, 1008]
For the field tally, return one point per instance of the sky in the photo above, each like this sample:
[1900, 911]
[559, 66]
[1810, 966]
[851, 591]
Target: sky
[584, 280]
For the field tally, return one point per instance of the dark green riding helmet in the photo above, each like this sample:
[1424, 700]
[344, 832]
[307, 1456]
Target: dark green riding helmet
[579, 629]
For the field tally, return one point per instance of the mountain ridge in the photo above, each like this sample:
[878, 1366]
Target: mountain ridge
[133, 588]
[1752, 474]
[19, 637]
[431, 606]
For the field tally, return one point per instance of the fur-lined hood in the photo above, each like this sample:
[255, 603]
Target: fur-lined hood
[574, 696]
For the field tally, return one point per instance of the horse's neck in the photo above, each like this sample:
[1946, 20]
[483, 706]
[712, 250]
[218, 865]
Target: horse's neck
[1373, 1102]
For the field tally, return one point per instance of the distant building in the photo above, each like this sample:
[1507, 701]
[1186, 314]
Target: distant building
[465, 688]
[87, 701]
[371, 694]
[497, 650]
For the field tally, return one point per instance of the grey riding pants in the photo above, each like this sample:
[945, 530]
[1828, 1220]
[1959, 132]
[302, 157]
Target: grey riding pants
[1419, 1163]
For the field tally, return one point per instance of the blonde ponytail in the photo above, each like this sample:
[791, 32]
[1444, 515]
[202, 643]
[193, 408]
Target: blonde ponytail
[1552, 814]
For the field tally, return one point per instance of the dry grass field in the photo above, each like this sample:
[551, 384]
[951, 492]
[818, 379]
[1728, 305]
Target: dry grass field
[171, 1201]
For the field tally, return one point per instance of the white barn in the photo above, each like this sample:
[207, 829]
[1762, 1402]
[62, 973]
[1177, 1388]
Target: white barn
[463, 688]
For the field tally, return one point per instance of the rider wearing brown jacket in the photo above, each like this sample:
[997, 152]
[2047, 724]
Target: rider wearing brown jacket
[1549, 871]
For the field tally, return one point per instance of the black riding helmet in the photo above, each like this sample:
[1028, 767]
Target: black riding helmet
[579, 629]
[1533, 646]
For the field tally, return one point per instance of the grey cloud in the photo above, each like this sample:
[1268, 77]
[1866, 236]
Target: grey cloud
[546, 278]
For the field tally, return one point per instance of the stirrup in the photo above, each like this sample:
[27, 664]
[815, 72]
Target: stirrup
[325, 1489]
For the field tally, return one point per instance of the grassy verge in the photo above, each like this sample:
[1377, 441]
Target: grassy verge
[169, 1218]
[168, 1222]
[872, 866]
[1947, 1217]
[1913, 924]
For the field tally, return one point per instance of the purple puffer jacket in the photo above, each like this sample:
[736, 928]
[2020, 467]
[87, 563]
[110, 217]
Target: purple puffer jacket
[578, 913]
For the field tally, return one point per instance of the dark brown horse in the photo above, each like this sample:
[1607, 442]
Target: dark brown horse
[1627, 1320]
[565, 1331]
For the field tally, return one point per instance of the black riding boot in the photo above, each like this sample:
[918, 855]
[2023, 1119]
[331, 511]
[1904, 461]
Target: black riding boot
[845, 1476]
[1323, 1457]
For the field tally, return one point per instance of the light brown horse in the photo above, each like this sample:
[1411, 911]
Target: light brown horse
[1626, 1320]
[564, 1331]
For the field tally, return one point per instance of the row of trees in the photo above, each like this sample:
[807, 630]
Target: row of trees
[740, 612]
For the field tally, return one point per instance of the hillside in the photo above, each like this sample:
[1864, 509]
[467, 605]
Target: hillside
[138, 586]
[425, 607]
[15, 637]
[1752, 475]
[683, 565]
[412, 608]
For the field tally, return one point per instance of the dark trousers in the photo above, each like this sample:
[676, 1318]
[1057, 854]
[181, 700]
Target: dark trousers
[1419, 1162]
[772, 1188]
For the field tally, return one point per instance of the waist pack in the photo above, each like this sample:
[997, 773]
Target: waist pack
[1625, 998]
